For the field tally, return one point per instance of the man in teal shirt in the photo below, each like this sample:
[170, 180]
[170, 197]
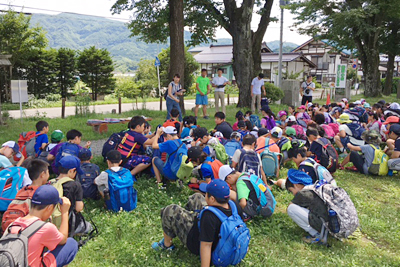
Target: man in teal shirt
[203, 87]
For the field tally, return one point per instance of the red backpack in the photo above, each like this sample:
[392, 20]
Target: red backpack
[26, 143]
[215, 166]
[328, 131]
[335, 127]
[19, 207]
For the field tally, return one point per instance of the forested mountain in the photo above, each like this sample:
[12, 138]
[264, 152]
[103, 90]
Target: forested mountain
[78, 32]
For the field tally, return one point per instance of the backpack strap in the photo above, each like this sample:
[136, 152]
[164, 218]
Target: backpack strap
[179, 146]
[266, 146]
[30, 230]
[247, 177]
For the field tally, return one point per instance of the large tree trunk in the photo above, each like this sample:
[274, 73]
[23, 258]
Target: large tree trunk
[389, 75]
[370, 65]
[177, 45]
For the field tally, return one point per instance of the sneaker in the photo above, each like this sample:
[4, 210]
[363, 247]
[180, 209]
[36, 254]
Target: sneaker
[343, 155]
[162, 186]
[160, 246]
[206, 117]
[246, 217]
[312, 239]
[390, 173]
[353, 169]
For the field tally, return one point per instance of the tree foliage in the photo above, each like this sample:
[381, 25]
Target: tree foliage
[146, 77]
[95, 67]
[66, 69]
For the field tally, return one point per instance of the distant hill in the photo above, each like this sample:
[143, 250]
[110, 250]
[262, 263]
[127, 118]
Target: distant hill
[79, 32]
[287, 46]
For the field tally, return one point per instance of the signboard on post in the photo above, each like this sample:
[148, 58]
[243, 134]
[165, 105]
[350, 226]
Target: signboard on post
[341, 76]
[19, 93]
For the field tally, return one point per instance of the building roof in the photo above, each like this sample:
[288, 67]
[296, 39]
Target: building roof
[4, 60]
[222, 54]
[197, 49]
[384, 58]
[346, 52]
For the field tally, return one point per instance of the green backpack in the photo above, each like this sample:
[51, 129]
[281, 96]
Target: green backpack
[220, 152]
[379, 165]
[56, 216]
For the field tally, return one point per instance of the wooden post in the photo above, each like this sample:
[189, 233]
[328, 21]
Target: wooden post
[228, 100]
[63, 108]
[119, 105]
[161, 103]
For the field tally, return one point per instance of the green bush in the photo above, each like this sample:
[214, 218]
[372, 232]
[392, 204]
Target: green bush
[395, 82]
[53, 97]
[274, 93]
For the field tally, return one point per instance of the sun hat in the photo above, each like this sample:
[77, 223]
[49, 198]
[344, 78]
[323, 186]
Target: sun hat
[367, 105]
[394, 105]
[282, 113]
[344, 118]
[276, 132]
[170, 130]
[302, 107]
[392, 119]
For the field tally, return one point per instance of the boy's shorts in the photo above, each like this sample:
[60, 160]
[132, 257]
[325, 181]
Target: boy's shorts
[344, 141]
[177, 221]
[136, 160]
[201, 99]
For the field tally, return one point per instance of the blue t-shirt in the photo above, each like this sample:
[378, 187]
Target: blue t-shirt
[170, 146]
[4, 162]
[206, 170]
[186, 131]
[41, 139]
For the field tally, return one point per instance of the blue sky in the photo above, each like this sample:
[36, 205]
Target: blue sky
[102, 8]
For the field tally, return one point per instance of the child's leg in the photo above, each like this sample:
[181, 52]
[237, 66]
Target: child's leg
[300, 216]
[338, 143]
[196, 110]
[66, 253]
[196, 202]
[139, 168]
[158, 165]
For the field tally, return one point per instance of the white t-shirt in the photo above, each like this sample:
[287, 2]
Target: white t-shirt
[257, 84]
[219, 81]
[304, 86]
[353, 141]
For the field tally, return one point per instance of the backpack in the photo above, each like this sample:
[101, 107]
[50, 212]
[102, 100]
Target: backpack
[282, 142]
[220, 152]
[26, 143]
[356, 130]
[335, 127]
[234, 237]
[270, 122]
[379, 165]
[357, 114]
[321, 172]
[10, 183]
[231, 146]
[56, 216]
[215, 166]
[14, 247]
[112, 143]
[299, 131]
[122, 194]
[255, 121]
[67, 149]
[179, 165]
[249, 162]
[264, 195]
[338, 200]
[329, 133]
[91, 171]
[269, 160]
[44, 154]
[329, 157]
[18, 207]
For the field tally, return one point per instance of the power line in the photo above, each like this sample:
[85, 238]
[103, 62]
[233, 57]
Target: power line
[57, 11]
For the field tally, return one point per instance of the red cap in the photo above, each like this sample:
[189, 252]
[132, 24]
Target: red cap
[392, 119]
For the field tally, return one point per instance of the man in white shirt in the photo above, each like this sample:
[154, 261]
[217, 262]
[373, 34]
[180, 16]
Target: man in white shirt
[256, 85]
[219, 83]
[306, 90]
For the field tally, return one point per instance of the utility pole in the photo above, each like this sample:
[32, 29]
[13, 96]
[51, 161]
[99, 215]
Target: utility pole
[282, 4]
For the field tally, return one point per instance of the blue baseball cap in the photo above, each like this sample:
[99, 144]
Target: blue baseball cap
[71, 162]
[84, 154]
[14, 146]
[46, 195]
[217, 188]
[299, 177]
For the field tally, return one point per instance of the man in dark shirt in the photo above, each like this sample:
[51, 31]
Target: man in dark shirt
[222, 126]
[183, 222]
[306, 208]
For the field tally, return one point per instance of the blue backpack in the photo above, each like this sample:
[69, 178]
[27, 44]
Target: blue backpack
[264, 195]
[249, 162]
[112, 143]
[67, 149]
[321, 172]
[234, 237]
[269, 160]
[122, 194]
[356, 130]
[10, 183]
[91, 171]
[231, 146]
[358, 114]
[255, 121]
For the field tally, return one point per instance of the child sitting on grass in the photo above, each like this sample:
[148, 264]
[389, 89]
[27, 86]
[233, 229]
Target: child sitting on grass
[42, 139]
[222, 125]
[174, 121]
[189, 123]
[90, 172]
[7, 151]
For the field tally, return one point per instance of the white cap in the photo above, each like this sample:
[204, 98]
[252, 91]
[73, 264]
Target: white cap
[394, 105]
[309, 105]
[224, 171]
[170, 130]
[218, 135]
[345, 100]
[14, 146]
[276, 132]
[358, 102]
[291, 118]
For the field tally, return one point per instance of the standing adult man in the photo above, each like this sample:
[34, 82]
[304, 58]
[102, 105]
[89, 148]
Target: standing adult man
[174, 91]
[219, 83]
[203, 87]
[306, 90]
[256, 86]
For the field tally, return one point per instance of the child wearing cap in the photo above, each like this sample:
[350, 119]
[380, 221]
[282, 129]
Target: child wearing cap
[346, 134]
[7, 151]
[394, 148]
[171, 145]
[62, 249]
[90, 172]
[42, 140]
[222, 125]
[261, 142]
[306, 208]
[204, 139]
[282, 119]
[183, 222]
[55, 139]
[189, 123]
[268, 120]
[134, 141]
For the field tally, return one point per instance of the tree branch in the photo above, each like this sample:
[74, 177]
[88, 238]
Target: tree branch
[264, 21]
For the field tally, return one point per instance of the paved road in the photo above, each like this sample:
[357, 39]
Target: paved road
[56, 112]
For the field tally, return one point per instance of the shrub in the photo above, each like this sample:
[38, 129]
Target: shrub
[395, 83]
[53, 97]
[273, 93]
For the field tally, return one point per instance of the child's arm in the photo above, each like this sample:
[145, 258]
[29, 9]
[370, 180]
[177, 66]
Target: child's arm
[79, 206]
[353, 148]
[21, 160]
[243, 203]
[88, 143]
[155, 138]
[64, 219]
[205, 253]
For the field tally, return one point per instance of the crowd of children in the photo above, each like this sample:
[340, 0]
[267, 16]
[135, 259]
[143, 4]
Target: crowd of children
[231, 171]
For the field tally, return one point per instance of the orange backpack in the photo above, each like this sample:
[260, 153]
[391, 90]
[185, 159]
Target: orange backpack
[18, 207]
[215, 166]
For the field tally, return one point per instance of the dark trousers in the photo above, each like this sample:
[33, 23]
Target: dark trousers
[305, 99]
[358, 161]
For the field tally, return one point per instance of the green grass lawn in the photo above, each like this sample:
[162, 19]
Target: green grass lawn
[125, 238]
